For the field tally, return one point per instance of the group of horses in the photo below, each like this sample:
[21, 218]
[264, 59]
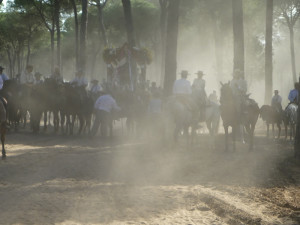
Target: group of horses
[237, 111]
[67, 103]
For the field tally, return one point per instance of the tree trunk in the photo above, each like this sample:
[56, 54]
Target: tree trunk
[101, 24]
[131, 41]
[57, 18]
[76, 34]
[52, 49]
[83, 33]
[292, 47]
[163, 23]
[268, 52]
[171, 46]
[10, 63]
[218, 42]
[128, 22]
[238, 35]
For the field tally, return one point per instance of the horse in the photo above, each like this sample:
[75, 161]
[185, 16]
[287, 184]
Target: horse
[271, 116]
[3, 126]
[185, 113]
[234, 114]
[10, 91]
[290, 119]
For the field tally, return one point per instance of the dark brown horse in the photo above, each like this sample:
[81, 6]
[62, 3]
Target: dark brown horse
[271, 116]
[235, 113]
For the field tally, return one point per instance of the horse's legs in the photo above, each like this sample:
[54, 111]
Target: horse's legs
[81, 123]
[268, 130]
[3, 132]
[234, 130]
[226, 137]
[279, 130]
[286, 130]
[45, 120]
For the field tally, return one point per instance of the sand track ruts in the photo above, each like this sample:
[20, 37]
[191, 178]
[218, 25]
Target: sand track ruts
[52, 179]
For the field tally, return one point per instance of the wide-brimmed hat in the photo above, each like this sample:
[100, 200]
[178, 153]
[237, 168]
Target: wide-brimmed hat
[184, 73]
[200, 73]
[2, 68]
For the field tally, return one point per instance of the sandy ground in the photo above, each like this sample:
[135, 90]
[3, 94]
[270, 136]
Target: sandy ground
[55, 179]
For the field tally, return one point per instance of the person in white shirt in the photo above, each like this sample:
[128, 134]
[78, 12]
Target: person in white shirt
[276, 101]
[182, 86]
[27, 76]
[80, 80]
[104, 107]
[95, 87]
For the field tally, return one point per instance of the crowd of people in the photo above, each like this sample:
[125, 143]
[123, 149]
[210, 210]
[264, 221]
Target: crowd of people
[182, 88]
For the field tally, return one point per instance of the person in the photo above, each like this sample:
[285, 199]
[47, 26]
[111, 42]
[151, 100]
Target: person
[27, 76]
[3, 75]
[104, 107]
[38, 78]
[57, 76]
[95, 87]
[80, 80]
[182, 86]
[199, 83]
[276, 101]
[213, 97]
[293, 95]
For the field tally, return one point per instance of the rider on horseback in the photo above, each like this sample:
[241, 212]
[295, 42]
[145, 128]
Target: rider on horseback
[276, 101]
[199, 90]
[293, 95]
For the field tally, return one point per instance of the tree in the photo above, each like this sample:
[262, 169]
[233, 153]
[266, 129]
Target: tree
[238, 35]
[290, 10]
[163, 22]
[83, 33]
[171, 46]
[129, 22]
[76, 33]
[100, 4]
[268, 52]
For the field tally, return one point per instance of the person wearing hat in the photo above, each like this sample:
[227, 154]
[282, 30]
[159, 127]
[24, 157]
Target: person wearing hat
[95, 87]
[199, 83]
[3, 75]
[80, 80]
[276, 101]
[38, 79]
[27, 76]
[182, 86]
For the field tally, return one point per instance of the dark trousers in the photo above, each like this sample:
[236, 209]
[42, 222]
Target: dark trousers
[104, 119]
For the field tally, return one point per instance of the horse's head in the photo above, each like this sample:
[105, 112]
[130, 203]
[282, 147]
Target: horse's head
[226, 93]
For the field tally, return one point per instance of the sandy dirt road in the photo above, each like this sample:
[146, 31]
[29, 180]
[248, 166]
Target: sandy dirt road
[54, 179]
